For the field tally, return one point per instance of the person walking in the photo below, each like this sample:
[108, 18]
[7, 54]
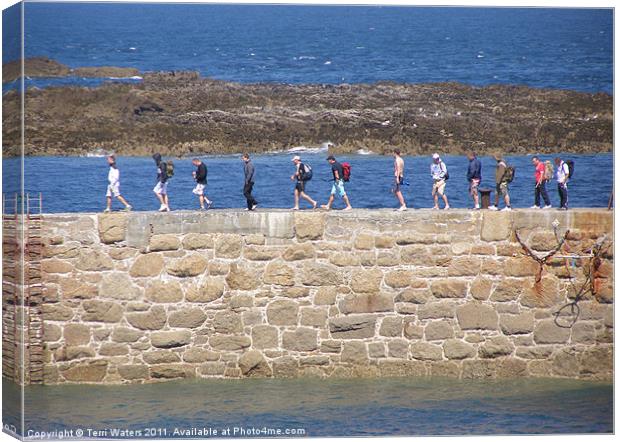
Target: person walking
[249, 172]
[161, 188]
[502, 179]
[439, 173]
[303, 173]
[200, 176]
[399, 178]
[474, 176]
[114, 185]
[540, 188]
[562, 176]
[338, 186]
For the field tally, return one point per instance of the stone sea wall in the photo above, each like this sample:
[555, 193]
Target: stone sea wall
[143, 297]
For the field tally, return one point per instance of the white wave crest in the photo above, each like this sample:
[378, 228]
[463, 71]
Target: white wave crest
[365, 152]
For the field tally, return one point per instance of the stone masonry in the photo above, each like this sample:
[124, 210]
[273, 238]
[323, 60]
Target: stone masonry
[143, 297]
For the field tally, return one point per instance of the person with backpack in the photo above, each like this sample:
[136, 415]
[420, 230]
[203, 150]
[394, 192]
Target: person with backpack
[248, 171]
[562, 175]
[540, 188]
[439, 172]
[200, 176]
[504, 175]
[474, 176]
[161, 188]
[549, 171]
[114, 185]
[303, 173]
[341, 173]
[399, 178]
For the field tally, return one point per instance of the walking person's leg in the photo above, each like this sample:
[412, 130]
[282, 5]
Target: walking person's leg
[307, 197]
[444, 197]
[545, 195]
[506, 196]
[330, 201]
[435, 195]
[247, 194]
[296, 198]
[124, 201]
[537, 196]
[563, 191]
[254, 202]
[344, 196]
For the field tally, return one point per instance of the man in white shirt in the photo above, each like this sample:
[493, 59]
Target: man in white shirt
[114, 185]
[439, 172]
[562, 175]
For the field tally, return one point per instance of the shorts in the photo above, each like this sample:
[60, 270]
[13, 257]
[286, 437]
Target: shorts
[114, 190]
[439, 187]
[199, 189]
[473, 186]
[338, 187]
[398, 183]
[161, 188]
[502, 189]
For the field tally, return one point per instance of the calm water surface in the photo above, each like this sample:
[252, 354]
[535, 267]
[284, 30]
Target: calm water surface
[356, 407]
[541, 47]
[78, 184]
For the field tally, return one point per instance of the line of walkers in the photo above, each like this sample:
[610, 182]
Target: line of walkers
[341, 173]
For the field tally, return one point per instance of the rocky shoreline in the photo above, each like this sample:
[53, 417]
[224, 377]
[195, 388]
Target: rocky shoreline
[181, 113]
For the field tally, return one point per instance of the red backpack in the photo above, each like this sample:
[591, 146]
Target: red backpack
[346, 171]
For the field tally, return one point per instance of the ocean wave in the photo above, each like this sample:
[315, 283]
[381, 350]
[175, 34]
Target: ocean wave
[365, 152]
[305, 149]
[135, 77]
[98, 153]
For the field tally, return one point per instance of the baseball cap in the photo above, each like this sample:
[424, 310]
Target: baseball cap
[331, 157]
[435, 156]
[296, 158]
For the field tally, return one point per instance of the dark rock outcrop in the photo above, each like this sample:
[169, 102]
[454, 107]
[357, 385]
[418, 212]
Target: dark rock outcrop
[179, 113]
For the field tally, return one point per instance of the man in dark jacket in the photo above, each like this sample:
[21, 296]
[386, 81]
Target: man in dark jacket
[248, 170]
[200, 176]
[161, 188]
[474, 176]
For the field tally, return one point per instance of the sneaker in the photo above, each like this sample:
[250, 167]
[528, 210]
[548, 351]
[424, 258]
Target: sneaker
[348, 208]
[209, 204]
[564, 208]
[202, 208]
[506, 209]
[446, 208]
[534, 207]
[476, 207]
[167, 209]
[325, 206]
[162, 208]
[107, 211]
[402, 208]
[314, 205]
[492, 207]
[254, 207]
[246, 209]
[435, 207]
[548, 206]
[294, 208]
[128, 208]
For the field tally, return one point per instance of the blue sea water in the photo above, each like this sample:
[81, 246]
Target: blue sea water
[78, 184]
[322, 407]
[541, 47]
